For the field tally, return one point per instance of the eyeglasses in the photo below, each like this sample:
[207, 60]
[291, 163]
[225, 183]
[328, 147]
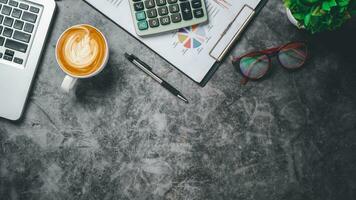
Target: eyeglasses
[255, 65]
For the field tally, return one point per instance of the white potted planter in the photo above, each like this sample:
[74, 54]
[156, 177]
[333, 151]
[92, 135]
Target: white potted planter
[293, 20]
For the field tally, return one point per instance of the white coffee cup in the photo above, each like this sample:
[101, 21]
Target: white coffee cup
[70, 79]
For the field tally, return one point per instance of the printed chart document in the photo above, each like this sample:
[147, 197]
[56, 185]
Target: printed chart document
[193, 50]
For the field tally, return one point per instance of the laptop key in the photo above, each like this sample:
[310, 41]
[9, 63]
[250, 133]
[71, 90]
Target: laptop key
[1, 18]
[6, 10]
[2, 40]
[9, 52]
[29, 28]
[29, 17]
[24, 6]
[4, 1]
[16, 13]
[13, 3]
[18, 60]
[7, 32]
[17, 46]
[1, 27]
[172, 1]
[18, 25]
[8, 21]
[8, 58]
[24, 37]
[34, 9]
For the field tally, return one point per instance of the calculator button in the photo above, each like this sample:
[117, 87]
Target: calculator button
[163, 10]
[172, 1]
[198, 13]
[150, 4]
[138, 6]
[142, 25]
[161, 2]
[152, 13]
[153, 23]
[196, 3]
[176, 18]
[140, 15]
[173, 8]
[186, 11]
[165, 20]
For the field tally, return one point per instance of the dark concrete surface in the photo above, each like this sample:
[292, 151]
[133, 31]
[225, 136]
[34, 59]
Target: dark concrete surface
[290, 136]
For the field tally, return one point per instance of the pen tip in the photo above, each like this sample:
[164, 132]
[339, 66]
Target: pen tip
[183, 99]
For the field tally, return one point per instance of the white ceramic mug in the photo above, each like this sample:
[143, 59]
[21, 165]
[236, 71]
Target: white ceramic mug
[70, 79]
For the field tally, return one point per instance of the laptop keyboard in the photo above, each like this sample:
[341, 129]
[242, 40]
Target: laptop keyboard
[18, 21]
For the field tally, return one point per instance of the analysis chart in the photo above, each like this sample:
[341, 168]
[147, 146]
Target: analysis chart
[192, 37]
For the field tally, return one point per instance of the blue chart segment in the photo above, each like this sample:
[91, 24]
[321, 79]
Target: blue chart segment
[192, 37]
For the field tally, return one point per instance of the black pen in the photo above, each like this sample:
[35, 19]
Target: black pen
[148, 70]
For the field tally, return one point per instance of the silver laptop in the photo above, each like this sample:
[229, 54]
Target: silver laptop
[24, 26]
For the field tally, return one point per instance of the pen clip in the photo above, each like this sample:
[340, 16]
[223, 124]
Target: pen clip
[141, 62]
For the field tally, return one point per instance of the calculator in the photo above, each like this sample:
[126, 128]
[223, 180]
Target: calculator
[158, 16]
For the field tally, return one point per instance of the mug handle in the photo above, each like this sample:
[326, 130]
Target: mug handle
[68, 83]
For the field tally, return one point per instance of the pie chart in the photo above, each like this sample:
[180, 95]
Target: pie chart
[191, 37]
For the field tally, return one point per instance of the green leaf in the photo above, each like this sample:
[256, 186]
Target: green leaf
[307, 19]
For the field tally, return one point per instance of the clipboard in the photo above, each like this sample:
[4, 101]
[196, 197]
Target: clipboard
[219, 49]
[219, 52]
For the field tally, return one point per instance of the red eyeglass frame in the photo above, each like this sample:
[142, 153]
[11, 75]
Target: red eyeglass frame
[269, 53]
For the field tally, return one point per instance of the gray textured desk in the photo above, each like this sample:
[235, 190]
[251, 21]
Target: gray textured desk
[120, 136]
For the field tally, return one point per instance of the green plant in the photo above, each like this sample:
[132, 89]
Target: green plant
[321, 15]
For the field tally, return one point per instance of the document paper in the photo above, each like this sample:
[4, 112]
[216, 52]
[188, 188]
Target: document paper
[188, 49]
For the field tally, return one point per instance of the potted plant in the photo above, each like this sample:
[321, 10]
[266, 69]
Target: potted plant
[319, 15]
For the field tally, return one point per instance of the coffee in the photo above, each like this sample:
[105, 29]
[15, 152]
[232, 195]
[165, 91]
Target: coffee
[82, 50]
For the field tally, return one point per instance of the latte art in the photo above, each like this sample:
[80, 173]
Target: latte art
[81, 50]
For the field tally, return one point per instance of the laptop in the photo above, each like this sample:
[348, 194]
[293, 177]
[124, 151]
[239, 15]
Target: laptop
[24, 26]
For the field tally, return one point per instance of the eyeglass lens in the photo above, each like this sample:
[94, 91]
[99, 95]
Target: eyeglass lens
[254, 66]
[293, 55]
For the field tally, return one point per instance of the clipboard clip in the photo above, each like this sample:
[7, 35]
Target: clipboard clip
[232, 33]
